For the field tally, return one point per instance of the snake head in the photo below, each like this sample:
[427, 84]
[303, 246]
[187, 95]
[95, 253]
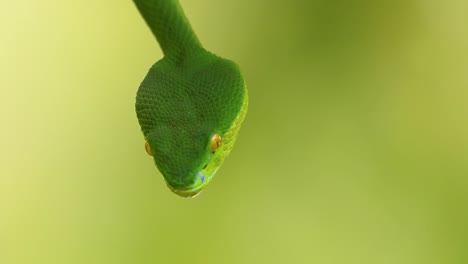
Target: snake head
[190, 113]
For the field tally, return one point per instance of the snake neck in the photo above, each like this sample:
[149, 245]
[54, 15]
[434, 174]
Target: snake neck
[169, 24]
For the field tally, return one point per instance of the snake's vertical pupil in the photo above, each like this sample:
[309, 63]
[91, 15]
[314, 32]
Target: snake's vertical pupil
[148, 149]
[215, 142]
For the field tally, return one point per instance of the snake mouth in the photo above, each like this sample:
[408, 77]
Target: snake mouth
[191, 191]
[187, 193]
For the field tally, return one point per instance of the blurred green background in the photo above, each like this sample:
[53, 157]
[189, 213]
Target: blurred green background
[354, 150]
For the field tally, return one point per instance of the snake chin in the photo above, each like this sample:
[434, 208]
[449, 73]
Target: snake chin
[194, 190]
[187, 193]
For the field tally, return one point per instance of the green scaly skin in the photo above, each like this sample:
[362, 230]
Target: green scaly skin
[186, 98]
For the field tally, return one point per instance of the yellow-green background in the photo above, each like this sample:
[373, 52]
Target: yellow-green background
[354, 150]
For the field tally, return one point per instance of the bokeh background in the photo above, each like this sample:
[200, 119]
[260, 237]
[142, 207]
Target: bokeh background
[355, 148]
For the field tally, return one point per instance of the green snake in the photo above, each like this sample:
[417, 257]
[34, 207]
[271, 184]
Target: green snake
[190, 105]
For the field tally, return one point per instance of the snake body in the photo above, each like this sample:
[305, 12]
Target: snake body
[190, 105]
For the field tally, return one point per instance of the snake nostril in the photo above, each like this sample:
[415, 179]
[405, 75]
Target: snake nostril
[201, 176]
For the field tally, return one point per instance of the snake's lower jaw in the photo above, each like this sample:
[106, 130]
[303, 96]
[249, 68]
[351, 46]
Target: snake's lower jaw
[193, 190]
[187, 193]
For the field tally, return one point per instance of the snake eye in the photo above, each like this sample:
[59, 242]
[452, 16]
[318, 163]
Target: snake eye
[148, 149]
[215, 142]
